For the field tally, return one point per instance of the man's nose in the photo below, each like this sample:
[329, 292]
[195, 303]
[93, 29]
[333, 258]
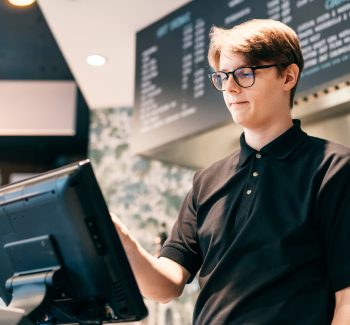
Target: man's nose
[232, 85]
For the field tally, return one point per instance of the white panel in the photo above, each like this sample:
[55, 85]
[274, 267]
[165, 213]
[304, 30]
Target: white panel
[16, 177]
[37, 107]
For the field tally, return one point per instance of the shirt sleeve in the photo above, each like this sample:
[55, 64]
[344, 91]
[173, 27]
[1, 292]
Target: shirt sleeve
[182, 245]
[334, 209]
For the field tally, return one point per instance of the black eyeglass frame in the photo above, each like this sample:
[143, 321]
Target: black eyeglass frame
[253, 68]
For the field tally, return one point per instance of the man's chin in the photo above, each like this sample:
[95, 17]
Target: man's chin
[241, 119]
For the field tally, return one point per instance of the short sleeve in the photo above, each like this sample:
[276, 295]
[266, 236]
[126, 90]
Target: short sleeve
[182, 245]
[334, 209]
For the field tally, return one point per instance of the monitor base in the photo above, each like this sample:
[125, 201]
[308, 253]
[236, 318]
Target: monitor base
[31, 295]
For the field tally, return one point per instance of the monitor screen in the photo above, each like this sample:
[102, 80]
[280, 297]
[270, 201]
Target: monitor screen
[57, 226]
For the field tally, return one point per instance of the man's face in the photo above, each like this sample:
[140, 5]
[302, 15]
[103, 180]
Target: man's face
[261, 105]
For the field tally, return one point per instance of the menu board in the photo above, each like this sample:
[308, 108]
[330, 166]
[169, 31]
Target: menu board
[173, 95]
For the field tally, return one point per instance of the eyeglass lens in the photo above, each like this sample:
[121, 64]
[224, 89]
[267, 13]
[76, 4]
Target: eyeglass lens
[243, 76]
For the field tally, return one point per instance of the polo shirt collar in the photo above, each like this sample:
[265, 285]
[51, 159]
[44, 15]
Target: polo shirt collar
[279, 148]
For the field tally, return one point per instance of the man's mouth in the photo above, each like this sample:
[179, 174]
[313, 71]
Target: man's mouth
[240, 102]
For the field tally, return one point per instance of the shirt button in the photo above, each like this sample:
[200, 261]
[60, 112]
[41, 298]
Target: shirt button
[255, 174]
[249, 192]
[258, 155]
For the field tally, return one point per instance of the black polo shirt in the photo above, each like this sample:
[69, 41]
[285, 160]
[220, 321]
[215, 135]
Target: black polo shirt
[268, 232]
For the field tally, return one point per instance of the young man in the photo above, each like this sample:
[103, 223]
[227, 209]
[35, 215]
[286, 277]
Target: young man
[267, 228]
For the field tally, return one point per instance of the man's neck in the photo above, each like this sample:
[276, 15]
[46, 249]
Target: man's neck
[258, 138]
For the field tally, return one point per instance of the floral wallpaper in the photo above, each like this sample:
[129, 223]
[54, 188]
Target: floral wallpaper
[145, 194]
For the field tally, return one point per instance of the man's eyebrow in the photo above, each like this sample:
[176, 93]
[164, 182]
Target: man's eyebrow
[238, 67]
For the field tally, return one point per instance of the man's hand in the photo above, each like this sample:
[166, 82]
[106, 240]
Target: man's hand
[159, 279]
[342, 307]
[122, 231]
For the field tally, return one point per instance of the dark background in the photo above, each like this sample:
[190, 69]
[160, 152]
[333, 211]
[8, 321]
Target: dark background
[28, 51]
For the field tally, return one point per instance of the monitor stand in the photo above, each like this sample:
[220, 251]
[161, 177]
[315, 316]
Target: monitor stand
[32, 289]
[31, 295]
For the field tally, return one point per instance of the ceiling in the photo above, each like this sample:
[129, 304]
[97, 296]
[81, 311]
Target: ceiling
[106, 27]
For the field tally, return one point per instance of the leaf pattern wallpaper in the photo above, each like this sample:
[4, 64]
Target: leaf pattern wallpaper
[145, 194]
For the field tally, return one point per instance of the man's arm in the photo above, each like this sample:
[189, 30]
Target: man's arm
[159, 279]
[342, 307]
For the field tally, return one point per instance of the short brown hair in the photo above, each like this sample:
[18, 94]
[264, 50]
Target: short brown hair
[259, 40]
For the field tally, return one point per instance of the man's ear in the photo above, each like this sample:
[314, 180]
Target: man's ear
[291, 76]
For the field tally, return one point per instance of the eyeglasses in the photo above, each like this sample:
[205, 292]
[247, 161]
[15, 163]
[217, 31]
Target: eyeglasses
[244, 76]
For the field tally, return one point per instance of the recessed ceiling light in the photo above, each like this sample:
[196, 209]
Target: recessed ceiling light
[21, 3]
[96, 60]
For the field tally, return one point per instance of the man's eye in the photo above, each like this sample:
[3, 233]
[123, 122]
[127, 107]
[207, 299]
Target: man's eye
[244, 73]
